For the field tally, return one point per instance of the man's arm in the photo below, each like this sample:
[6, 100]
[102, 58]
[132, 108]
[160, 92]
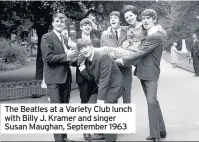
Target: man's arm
[84, 71]
[105, 75]
[147, 47]
[47, 52]
[48, 55]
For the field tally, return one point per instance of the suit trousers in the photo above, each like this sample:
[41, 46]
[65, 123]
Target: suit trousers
[196, 63]
[156, 121]
[59, 93]
[128, 78]
[108, 137]
[86, 88]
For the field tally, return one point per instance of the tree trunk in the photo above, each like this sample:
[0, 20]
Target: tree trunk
[41, 30]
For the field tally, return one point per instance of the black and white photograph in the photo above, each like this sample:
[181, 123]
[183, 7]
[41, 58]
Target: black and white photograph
[100, 53]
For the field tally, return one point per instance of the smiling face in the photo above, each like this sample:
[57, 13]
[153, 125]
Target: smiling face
[59, 24]
[87, 51]
[114, 21]
[148, 22]
[130, 17]
[86, 28]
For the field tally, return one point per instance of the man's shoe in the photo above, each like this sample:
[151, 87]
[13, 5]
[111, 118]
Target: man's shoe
[88, 137]
[98, 137]
[67, 140]
[163, 134]
[150, 138]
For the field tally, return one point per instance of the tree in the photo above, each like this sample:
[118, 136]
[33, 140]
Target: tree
[39, 13]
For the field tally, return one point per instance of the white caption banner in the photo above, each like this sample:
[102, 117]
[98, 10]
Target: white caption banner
[68, 118]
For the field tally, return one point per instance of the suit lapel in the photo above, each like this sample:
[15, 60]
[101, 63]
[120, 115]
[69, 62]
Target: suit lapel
[95, 57]
[56, 38]
[122, 33]
[66, 43]
[114, 37]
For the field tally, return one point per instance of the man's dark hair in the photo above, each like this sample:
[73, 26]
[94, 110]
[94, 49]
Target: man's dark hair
[59, 15]
[82, 42]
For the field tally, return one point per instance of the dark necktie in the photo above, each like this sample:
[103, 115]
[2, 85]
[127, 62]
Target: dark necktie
[88, 66]
[88, 63]
[116, 35]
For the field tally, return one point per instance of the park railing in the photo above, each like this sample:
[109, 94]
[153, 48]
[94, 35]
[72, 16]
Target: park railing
[24, 89]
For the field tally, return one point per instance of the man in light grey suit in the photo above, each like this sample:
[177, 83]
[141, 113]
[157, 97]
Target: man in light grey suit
[115, 38]
[148, 71]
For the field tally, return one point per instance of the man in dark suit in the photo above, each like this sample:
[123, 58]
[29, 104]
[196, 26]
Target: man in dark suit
[115, 38]
[56, 56]
[148, 71]
[195, 54]
[106, 74]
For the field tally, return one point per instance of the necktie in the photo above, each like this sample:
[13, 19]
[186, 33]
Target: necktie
[63, 44]
[88, 64]
[116, 34]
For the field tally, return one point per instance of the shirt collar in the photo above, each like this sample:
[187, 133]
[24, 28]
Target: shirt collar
[118, 30]
[91, 59]
[57, 33]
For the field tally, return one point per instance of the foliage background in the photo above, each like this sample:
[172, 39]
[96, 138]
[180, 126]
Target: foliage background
[179, 18]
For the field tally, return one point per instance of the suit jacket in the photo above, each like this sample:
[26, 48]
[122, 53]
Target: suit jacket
[96, 43]
[111, 41]
[149, 53]
[56, 67]
[195, 48]
[107, 76]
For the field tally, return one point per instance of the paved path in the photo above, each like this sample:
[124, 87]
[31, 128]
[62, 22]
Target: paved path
[179, 99]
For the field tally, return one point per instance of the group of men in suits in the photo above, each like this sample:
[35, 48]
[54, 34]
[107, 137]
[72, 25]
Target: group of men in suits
[112, 81]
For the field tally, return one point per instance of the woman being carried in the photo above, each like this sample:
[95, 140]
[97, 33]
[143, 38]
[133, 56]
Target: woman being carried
[134, 31]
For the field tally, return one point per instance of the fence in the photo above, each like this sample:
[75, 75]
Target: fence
[17, 90]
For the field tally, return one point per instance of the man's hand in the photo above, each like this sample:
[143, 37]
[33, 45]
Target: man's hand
[100, 101]
[82, 65]
[72, 54]
[119, 62]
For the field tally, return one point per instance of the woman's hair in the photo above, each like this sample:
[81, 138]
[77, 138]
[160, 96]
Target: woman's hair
[150, 12]
[127, 8]
[175, 43]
